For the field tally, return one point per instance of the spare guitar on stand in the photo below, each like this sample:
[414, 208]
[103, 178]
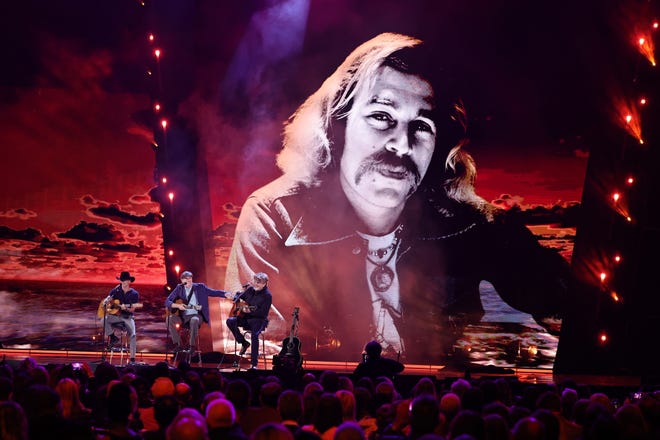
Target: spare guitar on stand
[289, 361]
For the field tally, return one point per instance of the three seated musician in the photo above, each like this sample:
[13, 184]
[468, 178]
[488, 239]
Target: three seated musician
[253, 315]
[189, 305]
[122, 301]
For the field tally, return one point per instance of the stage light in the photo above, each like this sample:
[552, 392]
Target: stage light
[642, 40]
[170, 196]
[642, 101]
[532, 350]
[151, 37]
[629, 219]
[630, 180]
[164, 179]
[177, 325]
[603, 275]
[655, 25]
[149, 72]
[628, 119]
[168, 287]
[614, 296]
[157, 107]
[163, 123]
[170, 252]
[616, 196]
[602, 337]
[617, 258]
[157, 53]
[177, 268]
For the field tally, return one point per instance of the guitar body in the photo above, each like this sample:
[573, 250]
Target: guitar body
[241, 308]
[113, 308]
[290, 353]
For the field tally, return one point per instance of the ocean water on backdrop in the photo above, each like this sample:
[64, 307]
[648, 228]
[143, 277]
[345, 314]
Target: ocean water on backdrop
[63, 316]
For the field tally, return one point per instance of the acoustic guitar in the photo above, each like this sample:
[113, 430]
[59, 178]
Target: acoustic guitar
[174, 311]
[114, 307]
[241, 308]
[290, 358]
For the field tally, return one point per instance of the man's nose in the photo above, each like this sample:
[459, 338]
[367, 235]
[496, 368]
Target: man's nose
[399, 142]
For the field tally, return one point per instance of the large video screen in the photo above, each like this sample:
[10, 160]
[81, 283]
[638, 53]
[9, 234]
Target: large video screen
[413, 180]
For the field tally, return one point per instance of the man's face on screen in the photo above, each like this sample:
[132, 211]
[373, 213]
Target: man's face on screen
[390, 138]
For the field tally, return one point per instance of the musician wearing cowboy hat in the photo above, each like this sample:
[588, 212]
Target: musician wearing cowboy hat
[120, 304]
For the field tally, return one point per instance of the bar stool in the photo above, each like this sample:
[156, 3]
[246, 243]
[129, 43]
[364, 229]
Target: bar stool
[191, 351]
[119, 330]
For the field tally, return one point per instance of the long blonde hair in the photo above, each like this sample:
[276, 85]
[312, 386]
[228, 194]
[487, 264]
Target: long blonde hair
[309, 147]
[70, 396]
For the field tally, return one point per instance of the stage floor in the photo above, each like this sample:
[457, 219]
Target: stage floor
[225, 363]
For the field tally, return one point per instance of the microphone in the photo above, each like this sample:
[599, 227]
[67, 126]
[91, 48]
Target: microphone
[246, 285]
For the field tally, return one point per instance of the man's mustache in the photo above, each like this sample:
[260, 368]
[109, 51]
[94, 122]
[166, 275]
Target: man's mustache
[389, 160]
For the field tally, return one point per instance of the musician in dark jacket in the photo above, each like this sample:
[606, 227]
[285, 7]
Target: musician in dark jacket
[374, 365]
[253, 315]
[188, 305]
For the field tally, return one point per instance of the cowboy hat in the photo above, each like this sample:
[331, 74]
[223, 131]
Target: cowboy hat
[125, 276]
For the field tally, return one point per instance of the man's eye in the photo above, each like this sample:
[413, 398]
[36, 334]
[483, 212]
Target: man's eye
[422, 126]
[381, 121]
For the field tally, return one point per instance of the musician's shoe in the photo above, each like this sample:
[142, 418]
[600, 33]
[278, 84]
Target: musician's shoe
[244, 348]
[253, 367]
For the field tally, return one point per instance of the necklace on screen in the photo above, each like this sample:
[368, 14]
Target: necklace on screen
[382, 276]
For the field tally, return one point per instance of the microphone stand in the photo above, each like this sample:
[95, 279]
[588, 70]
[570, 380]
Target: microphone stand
[105, 337]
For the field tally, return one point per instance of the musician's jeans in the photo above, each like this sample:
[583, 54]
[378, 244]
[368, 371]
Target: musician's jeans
[255, 326]
[190, 320]
[129, 322]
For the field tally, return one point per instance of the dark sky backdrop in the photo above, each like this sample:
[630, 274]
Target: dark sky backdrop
[74, 196]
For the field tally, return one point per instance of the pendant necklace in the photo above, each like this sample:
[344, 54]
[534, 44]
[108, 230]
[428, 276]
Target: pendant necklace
[382, 276]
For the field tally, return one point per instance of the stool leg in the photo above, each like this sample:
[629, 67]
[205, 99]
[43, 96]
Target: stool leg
[263, 350]
[111, 350]
[122, 346]
[198, 351]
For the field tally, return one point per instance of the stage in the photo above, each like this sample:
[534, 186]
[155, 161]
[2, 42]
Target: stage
[225, 364]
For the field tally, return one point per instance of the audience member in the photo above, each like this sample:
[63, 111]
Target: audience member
[162, 386]
[528, 428]
[374, 365]
[166, 409]
[72, 408]
[272, 431]
[13, 422]
[221, 420]
[347, 400]
[187, 425]
[327, 417]
[266, 411]
[424, 416]
[349, 431]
